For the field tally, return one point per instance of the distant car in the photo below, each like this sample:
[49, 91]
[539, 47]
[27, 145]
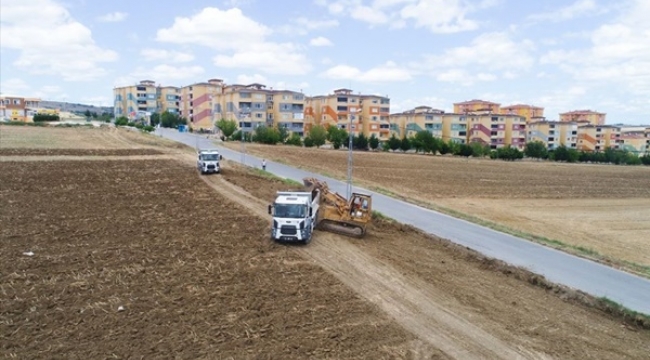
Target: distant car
[208, 161]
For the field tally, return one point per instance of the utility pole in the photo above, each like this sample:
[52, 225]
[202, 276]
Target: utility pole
[349, 187]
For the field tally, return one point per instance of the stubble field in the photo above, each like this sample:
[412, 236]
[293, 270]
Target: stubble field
[189, 260]
[595, 207]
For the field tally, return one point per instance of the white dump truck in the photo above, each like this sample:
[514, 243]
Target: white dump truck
[295, 215]
[208, 161]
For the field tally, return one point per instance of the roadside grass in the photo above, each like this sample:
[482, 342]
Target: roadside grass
[642, 270]
[270, 176]
[630, 316]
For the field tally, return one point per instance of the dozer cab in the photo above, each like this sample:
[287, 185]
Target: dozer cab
[338, 215]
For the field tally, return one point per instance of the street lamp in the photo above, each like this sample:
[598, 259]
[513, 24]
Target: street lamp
[349, 187]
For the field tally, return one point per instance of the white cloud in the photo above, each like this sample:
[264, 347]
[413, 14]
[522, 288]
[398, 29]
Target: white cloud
[251, 79]
[618, 55]
[13, 87]
[439, 16]
[166, 55]
[320, 41]
[388, 72]
[50, 41]
[271, 58]
[163, 74]
[487, 52]
[51, 89]
[577, 9]
[113, 17]
[303, 25]
[244, 40]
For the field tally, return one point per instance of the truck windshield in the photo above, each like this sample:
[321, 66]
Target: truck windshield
[293, 211]
[209, 157]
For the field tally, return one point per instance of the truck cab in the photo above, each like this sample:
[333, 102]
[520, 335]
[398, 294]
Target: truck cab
[208, 161]
[295, 216]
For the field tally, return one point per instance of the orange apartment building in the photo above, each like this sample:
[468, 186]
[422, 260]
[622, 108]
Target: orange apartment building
[554, 134]
[135, 101]
[497, 130]
[253, 106]
[480, 106]
[592, 117]
[15, 108]
[634, 139]
[530, 112]
[445, 126]
[197, 103]
[370, 114]
[597, 137]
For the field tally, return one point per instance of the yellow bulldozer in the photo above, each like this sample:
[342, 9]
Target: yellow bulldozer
[337, 214]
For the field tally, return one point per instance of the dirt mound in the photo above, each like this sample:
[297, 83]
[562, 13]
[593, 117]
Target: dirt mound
[141, 259]
[77, 152]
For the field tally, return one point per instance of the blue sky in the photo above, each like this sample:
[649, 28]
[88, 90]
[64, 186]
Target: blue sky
[562, 55]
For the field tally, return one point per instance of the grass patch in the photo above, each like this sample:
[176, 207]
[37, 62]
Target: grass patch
[270, 176]
[629, 316]
[22, 123]
[376, 215]
[582, 251]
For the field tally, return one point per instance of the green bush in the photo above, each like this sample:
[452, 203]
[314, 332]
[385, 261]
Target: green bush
[309, 142]
[46, 117]
[148, 128]
[294, 140]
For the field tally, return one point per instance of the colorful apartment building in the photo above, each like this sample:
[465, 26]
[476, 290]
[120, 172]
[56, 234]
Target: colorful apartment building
[410, 122]
[16, 108]
[597, 137]
[197, 103]
[286, 109]
[136, 101]
[497, 130]
[530, 112]
[636, 141]
[169, 99]
[369, 114]
[592, 117]
[554, 134]
[477, 106]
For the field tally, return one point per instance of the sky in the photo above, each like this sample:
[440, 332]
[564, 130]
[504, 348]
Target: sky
[561, 55]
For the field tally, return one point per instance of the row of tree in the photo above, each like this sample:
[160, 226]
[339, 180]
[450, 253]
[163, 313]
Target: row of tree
[45, 117]
[424, 142]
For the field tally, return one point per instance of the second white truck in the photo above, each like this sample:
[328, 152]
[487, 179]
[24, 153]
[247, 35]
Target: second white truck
[295, 215]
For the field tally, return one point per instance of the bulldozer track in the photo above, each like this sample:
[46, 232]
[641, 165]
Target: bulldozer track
[347, 230]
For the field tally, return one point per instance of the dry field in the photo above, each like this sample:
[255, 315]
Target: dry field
[189, 260]
[598, 207]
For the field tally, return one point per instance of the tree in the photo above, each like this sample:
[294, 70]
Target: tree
[318, 135]
[227, 127]
[360, 142]
[645, 159]
[405, 144]
[284, 133]
[373, 142]
[337, 136]
[536, 150]
[445, 148]
[309, 142]
[394, 143]
[509, 153]
[424, 141]
[87, 113]
[154, 119]
[561, 153]
[479, 150]
[294, 140]
[121, 121]
[266, 135]
[171, 120]
[45, 117]
[466, 150]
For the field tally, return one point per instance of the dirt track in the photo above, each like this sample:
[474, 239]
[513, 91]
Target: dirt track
[194, 285]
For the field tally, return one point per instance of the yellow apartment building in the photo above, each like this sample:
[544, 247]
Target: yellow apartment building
[530, 112]
[635, 141]
[135, 101]
[370, 114]
[497, 130]
[554, 134]
[17, 108]
[477, 106]
[410, 122]
[592, 117]
[169, 99]
[597, 137]
[197, 103]
[286, 109]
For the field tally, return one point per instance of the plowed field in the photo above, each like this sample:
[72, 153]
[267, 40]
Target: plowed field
[599, 207]
[147, 259]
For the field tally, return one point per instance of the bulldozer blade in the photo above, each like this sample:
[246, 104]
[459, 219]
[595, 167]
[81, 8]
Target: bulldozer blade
[342, 228]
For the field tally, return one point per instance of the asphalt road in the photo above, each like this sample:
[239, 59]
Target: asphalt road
[590, 277]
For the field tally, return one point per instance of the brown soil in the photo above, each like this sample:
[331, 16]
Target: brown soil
[196, 274]
[188, 257]
[577, 204]
[76, 152]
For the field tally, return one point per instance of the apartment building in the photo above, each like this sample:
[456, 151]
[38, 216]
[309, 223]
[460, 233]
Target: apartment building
[636, 141]
[554, 134]
[370, 114]
[477, 106]
[410, 122]
[286, 109]
[497, 130]
[169, 99]
[16, 108]
[592, 117]
[197, 103]
[530, 112]
[135, 101]
[597, 137]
